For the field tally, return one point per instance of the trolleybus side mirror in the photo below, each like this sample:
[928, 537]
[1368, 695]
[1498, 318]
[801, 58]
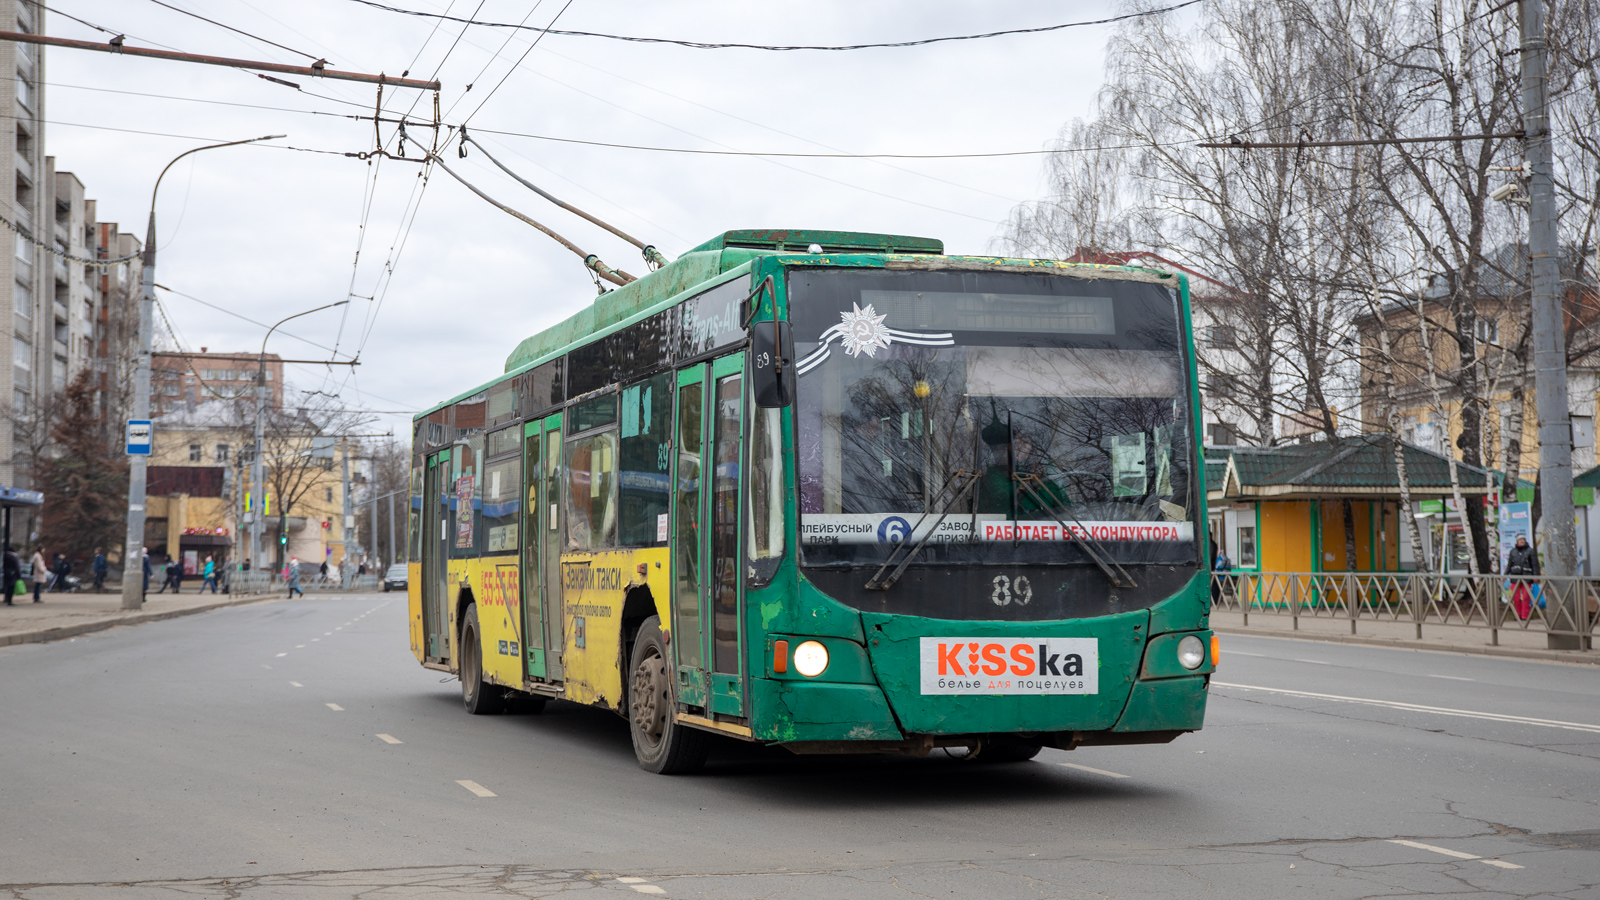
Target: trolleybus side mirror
[772, 364]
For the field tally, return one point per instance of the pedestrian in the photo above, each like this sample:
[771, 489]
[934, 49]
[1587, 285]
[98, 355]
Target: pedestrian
[1521, 564]
[292, 576]
[322, 573]
[1219, 567]
[41, 574]
[60, 569]
[11, 571]
[177, 575]
[100, 567]
[146, 568]
[210, 574]
[361, 569]
[246, 566]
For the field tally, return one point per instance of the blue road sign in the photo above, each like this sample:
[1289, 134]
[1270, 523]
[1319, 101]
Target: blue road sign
[139, 437]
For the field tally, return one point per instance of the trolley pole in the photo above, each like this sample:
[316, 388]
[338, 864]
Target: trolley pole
[1549, 326]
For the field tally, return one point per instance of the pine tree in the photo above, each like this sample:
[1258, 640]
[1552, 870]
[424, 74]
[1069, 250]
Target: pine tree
[85, 485]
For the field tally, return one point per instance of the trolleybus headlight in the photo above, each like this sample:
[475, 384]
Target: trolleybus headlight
[1191, 653]
[810, 658]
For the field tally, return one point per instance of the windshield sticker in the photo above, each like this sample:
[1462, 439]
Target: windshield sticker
[1100, 531]
[977, 665]
[862, 330]
[892, 528]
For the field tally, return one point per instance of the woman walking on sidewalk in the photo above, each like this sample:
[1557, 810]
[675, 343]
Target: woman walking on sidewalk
[210, 575]
[41, 574]
[294, 578]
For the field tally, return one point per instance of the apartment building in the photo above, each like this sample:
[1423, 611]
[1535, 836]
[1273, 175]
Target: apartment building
[182, 381]
[31, 208]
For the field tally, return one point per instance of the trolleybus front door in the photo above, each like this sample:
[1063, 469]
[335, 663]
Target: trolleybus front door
[533, 652]
[550, 505]
[707, 632]
[435, 559]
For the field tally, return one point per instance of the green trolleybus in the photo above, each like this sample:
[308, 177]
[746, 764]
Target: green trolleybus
[833, 492]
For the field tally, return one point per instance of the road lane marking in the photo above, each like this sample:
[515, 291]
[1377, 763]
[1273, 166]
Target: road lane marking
[283, 654]
[327, 634]
[299, 646]
[1092, 769]
[314, 640]
[334, 706]
[647, 889]
[1417, 845]
[390, 739]
[630, 879]
[476, 788]
[1417, 707]
[297, 684]
[1314, 662]
[1452, 677]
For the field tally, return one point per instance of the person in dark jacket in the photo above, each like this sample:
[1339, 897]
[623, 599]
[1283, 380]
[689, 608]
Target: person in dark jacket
[100, 568]
[11, 571]
[61, 568]
[148, 568]
[1522, 563]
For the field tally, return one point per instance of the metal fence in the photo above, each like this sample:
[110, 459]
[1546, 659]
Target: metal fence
[1496, 603]
[270, 582]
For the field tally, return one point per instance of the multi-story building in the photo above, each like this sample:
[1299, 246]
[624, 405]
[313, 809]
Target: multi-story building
[31, 209]
[181, 381]
[117, 329]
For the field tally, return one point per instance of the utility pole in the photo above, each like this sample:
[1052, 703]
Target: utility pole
[372, 555]
[346, 516]
[394, 553]
[133, 557]
[257, 467]
[1549, 326]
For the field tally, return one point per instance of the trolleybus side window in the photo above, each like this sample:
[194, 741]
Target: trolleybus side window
[645, 460]
[502, 504]
[591, 469]
[725, 524]
[466, 495]
[765, 540]
[686, 540]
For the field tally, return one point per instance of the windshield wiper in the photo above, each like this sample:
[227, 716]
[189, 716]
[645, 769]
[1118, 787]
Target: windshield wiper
[878, 582]
[1120, 578]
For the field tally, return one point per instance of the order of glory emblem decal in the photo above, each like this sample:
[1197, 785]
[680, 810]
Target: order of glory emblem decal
[862, 331]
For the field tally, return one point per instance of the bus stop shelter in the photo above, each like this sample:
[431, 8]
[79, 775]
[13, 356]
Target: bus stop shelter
[11, 498]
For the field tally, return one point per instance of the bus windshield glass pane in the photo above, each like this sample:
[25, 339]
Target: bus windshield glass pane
[1023, 404]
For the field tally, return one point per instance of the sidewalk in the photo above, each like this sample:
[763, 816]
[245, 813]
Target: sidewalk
[67, 615]
[1513, 643]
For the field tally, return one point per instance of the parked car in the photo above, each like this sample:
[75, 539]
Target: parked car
[395, 578]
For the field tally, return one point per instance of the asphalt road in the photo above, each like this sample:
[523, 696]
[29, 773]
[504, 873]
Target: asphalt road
[295, 750]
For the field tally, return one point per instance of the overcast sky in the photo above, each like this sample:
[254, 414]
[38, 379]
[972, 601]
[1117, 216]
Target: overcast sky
[269, 232]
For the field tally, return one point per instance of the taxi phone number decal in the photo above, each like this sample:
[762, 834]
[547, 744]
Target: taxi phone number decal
[969, 665]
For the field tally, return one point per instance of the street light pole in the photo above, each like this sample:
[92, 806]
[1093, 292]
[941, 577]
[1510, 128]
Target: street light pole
[132, 556]
[258, 503]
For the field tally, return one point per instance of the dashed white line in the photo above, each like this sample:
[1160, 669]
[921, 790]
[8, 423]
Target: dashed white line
[1417, 707]
[1457, 854]
[389, 739]
[299, 646]
[1452, 677]
[1093, 770]
[1314, 662]
[334, 706]
[327, 634]
[283, 654]
[297, 684]
[647, 889]
[475, 787]
[630, 879]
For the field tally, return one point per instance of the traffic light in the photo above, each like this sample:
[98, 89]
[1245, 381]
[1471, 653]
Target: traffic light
[283, 537]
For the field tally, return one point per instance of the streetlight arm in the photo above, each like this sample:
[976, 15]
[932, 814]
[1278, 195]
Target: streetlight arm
[295, 316]
[150, 233]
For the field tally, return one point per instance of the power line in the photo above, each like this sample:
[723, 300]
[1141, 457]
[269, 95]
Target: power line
[245, 318]
[699, 45]
[1237, 144]
[28, 236]
[492, 58]
[518, 64]
[247, 34]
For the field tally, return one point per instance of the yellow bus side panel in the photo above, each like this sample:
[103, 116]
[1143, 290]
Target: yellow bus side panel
[594, 587]
[414, 607]
[497, 590]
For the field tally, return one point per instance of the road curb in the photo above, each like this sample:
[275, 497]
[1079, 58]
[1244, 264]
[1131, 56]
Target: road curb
[45, 635]
[1581, 657]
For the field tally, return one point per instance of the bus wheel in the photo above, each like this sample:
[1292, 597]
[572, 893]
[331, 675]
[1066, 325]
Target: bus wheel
[662, 745]
[1004, 750]
[479, 697]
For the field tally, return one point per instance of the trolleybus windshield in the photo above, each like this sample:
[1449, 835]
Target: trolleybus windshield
[993, 413]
